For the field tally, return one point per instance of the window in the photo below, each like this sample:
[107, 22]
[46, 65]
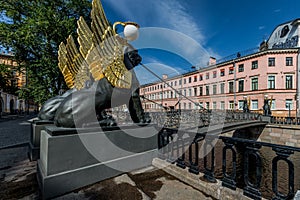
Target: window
[184, 81]
[289, 104]
[190, 106]
[190, 92]
[195, 78]
[254, 104]
[184, 105]
[231, 70]
[222, 88]
[271, 82]
[241, 105]
[254, 64]
[241, 67]
[289, 82]
[207, 105]
[180, 82]
[289, 61]
[230, 87]
[207, 90]
[214, 106]
[273, 104]
[222, 72]
[195, 91]
[241, 85]
[190, 79]
[254, 83]
[201, 91]
[231, 105]
[214, 89]
[175, 83]
[271, 62]
[214, 74]
[201, 77]
[222, 105]
[207, 75]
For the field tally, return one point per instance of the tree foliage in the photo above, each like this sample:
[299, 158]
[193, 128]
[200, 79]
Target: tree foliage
[33, 30]
[8, 83]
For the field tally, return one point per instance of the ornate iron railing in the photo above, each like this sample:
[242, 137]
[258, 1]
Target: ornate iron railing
[187, 118]
[241, 166]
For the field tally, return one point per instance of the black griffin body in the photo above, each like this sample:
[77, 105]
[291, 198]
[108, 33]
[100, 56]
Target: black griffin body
[83, 106]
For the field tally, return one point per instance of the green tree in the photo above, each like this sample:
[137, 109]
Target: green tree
[8, 82]
[33, 30]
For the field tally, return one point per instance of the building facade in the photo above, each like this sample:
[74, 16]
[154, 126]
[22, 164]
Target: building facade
[269, 73]
[10, 103]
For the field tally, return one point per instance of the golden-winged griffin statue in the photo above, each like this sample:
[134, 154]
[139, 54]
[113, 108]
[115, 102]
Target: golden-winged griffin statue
[99, 73]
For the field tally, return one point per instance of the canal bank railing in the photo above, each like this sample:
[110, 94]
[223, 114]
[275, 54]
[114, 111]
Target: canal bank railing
[285, 120]
[235, 161]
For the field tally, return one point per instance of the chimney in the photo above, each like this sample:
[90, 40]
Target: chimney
[212, 61]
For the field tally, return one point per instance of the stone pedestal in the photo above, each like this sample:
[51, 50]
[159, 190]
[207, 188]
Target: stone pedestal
[74, 158]
[34, 144]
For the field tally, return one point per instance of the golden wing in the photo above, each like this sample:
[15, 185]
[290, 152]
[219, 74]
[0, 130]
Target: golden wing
[62, 64]
[106, 55]
[75, 68]
[85, 37]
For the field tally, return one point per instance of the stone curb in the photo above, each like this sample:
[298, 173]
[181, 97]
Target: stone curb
[215, 190]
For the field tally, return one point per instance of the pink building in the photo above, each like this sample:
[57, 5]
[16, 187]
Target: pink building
[270, 73]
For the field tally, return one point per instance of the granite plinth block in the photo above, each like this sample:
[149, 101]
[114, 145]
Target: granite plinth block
[34, 144]
[74, 158]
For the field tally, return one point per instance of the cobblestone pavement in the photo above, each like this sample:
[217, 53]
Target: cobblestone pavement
[14, 131]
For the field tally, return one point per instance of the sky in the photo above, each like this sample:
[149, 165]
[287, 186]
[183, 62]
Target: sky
[178, 34]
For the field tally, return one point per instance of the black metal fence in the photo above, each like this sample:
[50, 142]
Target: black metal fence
[236, 162]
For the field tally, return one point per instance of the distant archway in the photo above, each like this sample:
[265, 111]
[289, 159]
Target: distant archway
[11, 106]
[1, 105]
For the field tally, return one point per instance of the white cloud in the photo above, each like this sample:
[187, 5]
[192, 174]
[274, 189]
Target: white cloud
[261, 27]
[167, 13]
[177, 17]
